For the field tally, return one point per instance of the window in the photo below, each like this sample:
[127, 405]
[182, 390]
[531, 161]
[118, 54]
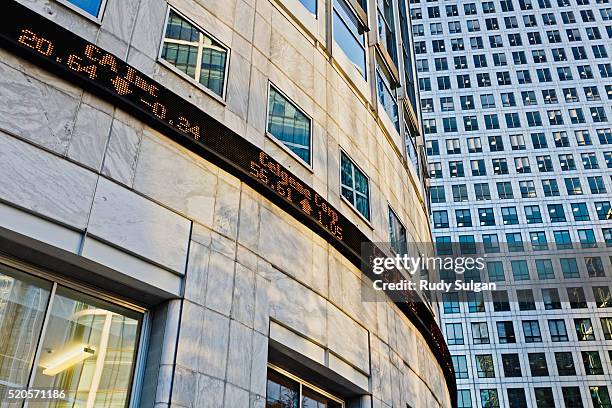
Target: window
[486, 217]
[495, 271]
[604, 136]
[454, 334]
[397, 234]
[467, 103]
[572, 397]
[474, 145]
[505, 332]
[437, 194]
[606, 325]
[537, 364]
[454, 27]
[544, 163]
[450, 302]
[469, 9]
[456, 169]
[575, 296]
[489, 398]
[288, 124]
[528, 189]
[567, 162]
[520, 270]
[512, 120]
[500, 301]
[349, 34]
[604, 210]
[435, 170]
[525, 299]
[550, 96]
[93, 7]
[484, 366]
[511, 365]
[482, 191]
[538, 240]
[460, 366]
[587, 239]
[563, 239]
[480, 333]
[184, 44]
[452, 10]
[515, 241]
[550, 298]
[354, 185]
[386, 93]
[596, 185]
[522, 166]
[531, 331]
[500, 166]
[556, 213]
[584, 329]
[580, 211]
[565, 363]
[550, 187]
[600, 396]
[544, 397]
[464, 399]
[569, 266]
[446, 104]
[509, 216]
[284, 391]
[539, 141]
[68, 326]
[516, 398]
[500, 60]
[529, 98]
[545, 269]
[558, 333]
[532, 214]
[459, 192]
[602, 295]
[583, 138]
[592, 363]
[463, 218]
[589, 161]
[504, 190]
[475, 301]
[533, 119]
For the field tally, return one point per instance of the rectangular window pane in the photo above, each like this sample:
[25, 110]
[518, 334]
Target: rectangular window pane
[289, 124]
[90, 6]
[184, 42]
[23, 302]
[89, 350]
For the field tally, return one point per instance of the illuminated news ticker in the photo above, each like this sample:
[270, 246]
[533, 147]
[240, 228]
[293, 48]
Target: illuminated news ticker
[92, 62]
[70, 56]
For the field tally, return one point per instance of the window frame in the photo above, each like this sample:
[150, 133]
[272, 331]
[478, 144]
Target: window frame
[351, 205]
[56, 281]
[280, 143]
[96, 19]
[303, 383]
[167, 64]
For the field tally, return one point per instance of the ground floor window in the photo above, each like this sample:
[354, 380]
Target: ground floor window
[56, 337]
[285, 390]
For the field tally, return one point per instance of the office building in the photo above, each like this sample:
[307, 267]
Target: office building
[184, 186]
[517, 101]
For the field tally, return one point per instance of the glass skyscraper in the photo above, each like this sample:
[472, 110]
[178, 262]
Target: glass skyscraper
[517, 101]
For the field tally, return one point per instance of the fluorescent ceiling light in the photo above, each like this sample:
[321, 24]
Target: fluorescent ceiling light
[67, 359]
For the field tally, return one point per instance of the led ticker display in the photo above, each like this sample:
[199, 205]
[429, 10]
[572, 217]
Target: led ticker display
[71, 57]
[189, 125]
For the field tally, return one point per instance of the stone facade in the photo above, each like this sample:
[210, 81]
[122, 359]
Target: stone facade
[222, 270]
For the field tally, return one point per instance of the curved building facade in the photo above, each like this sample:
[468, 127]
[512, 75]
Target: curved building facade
[184, 187]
